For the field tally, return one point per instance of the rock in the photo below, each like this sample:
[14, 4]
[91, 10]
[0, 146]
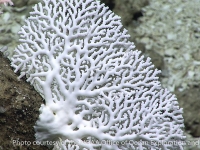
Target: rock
[19, 110]
[20, 3]
[32, 2]
[128, 10]
[156, 58]
[190, 102]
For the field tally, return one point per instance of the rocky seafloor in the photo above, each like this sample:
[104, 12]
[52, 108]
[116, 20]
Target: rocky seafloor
[167, 31]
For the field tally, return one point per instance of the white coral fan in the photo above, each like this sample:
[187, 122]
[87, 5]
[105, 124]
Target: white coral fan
[172, 28]
[97, 88]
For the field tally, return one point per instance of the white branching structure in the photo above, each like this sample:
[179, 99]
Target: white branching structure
[96, 86]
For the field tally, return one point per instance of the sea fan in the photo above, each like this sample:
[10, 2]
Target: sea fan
[97, 88]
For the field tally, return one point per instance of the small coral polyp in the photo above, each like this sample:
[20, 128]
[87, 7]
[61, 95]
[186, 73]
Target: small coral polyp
[96, 85]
